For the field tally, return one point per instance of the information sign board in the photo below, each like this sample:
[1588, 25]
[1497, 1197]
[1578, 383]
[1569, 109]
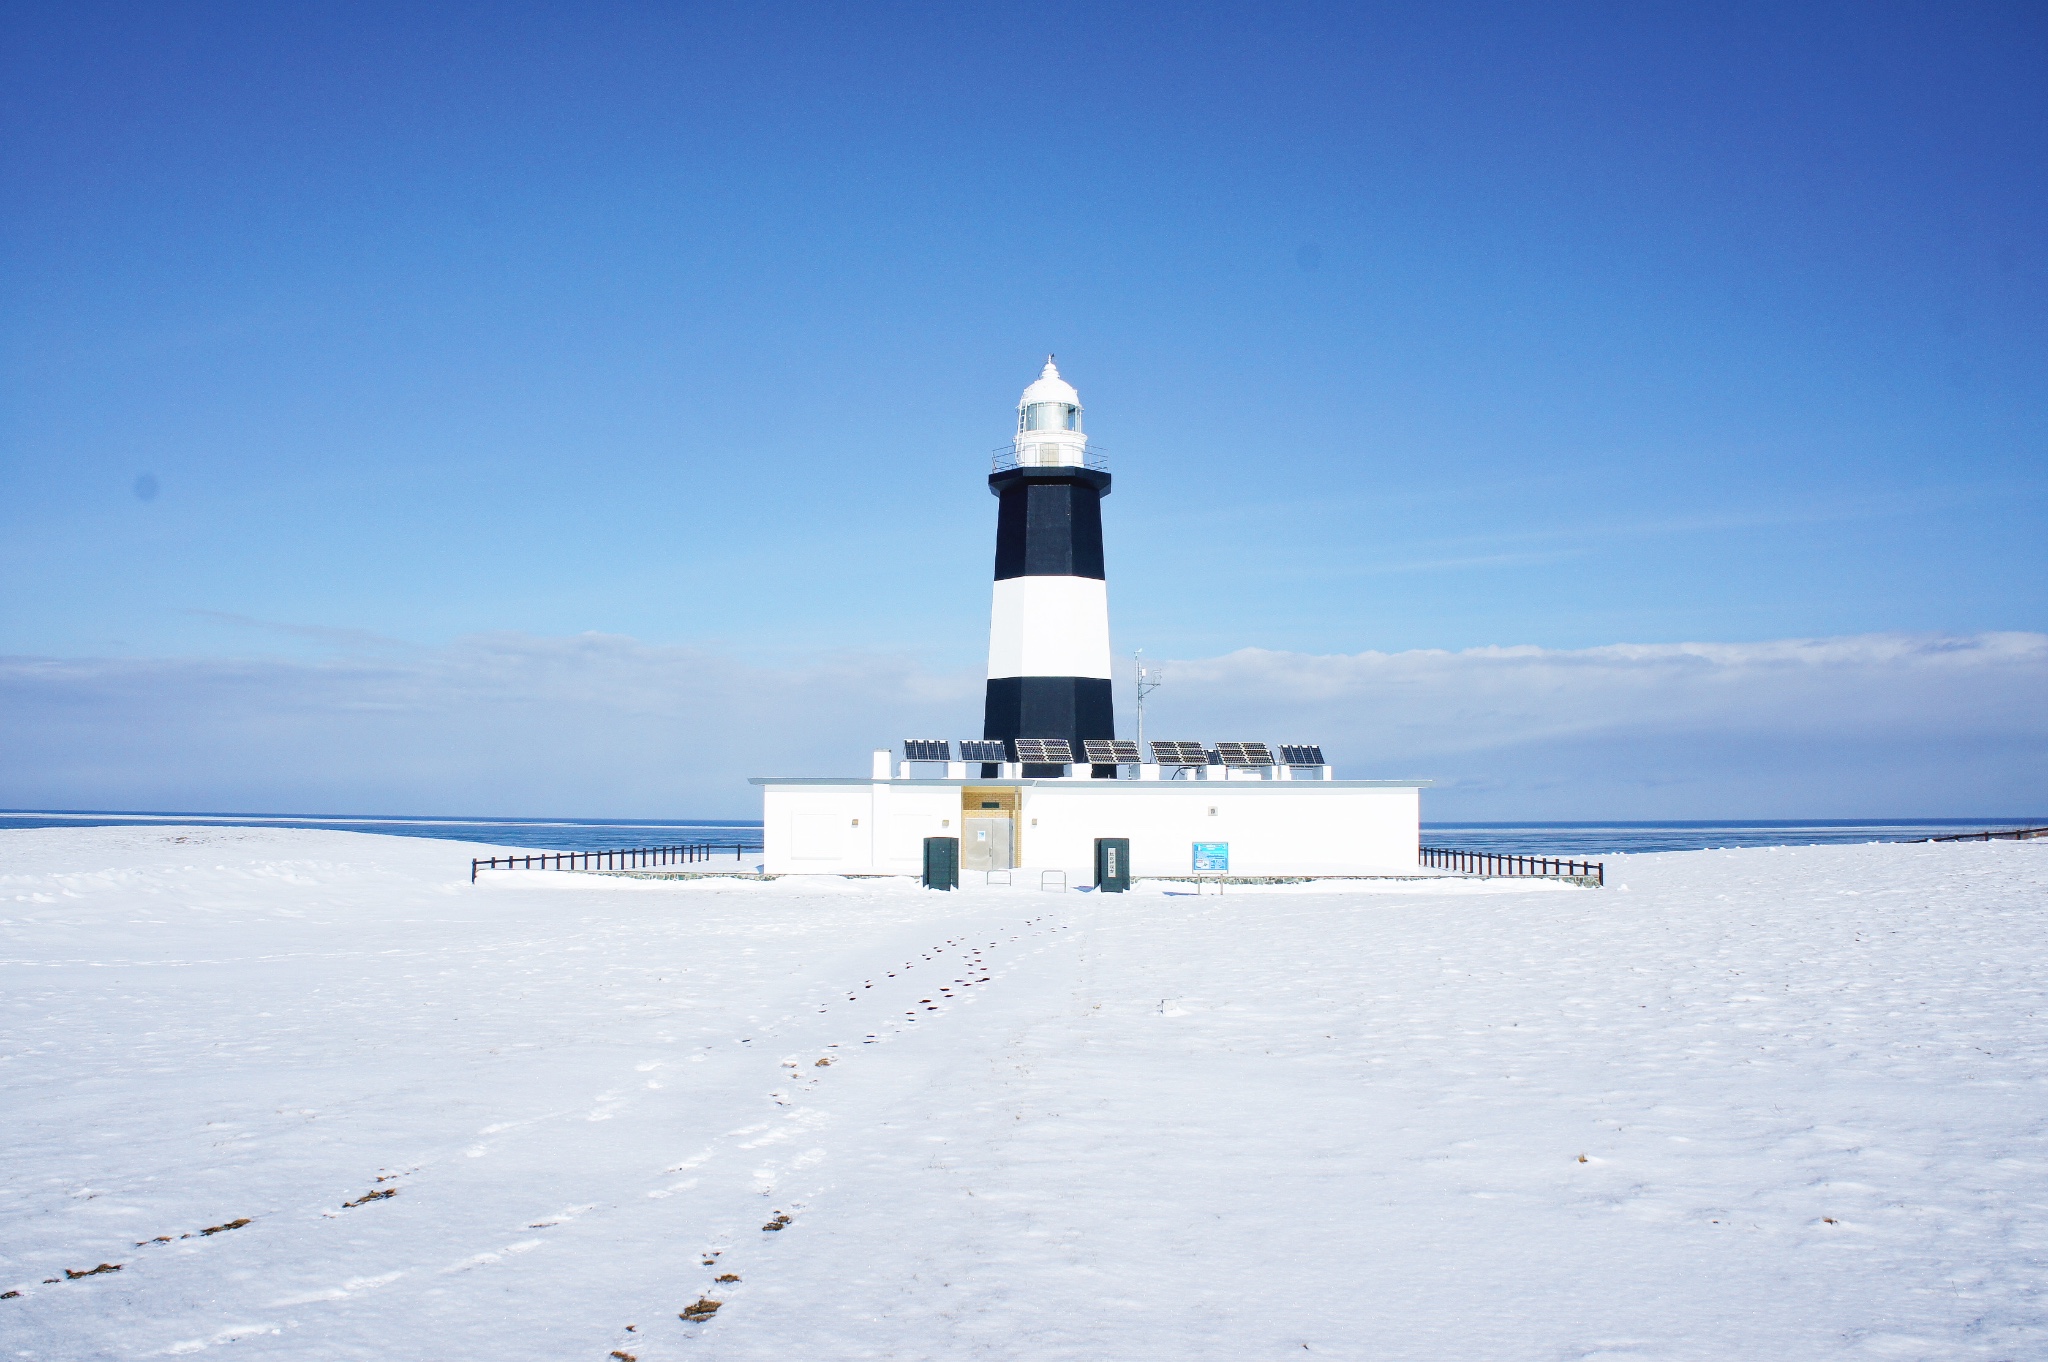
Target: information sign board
[1212, 856]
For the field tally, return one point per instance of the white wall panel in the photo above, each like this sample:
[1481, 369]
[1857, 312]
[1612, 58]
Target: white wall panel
[1273, 827]
[1049, 626]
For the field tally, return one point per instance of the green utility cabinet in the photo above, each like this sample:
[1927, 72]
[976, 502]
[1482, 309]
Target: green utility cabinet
[1113, 864]
[942, 862]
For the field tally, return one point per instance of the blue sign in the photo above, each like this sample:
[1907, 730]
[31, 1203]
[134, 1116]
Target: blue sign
[1212, 856]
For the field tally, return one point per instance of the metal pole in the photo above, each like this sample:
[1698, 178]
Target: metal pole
[1147, 682]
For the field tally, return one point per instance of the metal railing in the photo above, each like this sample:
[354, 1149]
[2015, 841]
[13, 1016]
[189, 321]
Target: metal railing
[630, 858]
[1024, 454]
[2008, 834]
[1497, 866]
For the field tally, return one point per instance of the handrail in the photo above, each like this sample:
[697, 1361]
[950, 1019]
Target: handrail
[627, 858]
[1498, 865]
[1007, 457]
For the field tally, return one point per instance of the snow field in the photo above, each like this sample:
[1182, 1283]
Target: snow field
[1783, 1102]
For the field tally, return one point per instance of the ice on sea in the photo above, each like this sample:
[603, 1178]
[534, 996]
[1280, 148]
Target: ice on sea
[1764, 1103]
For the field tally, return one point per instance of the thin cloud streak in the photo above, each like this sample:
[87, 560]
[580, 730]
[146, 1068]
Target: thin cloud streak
[317, 633]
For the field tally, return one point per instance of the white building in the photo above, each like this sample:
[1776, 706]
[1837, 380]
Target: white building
[1268, 826]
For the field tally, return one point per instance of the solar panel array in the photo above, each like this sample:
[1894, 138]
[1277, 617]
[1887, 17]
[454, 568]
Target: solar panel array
[1116, 752]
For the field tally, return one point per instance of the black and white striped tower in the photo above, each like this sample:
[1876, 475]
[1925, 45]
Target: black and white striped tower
[1048, 641]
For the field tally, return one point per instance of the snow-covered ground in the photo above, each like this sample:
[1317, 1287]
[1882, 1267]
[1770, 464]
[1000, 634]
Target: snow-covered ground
[1766, 1104]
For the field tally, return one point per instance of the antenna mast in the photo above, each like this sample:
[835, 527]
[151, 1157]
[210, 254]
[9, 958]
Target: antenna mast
[1148, 681]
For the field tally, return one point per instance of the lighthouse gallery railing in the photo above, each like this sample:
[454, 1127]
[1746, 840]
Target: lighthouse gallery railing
[1024, 454]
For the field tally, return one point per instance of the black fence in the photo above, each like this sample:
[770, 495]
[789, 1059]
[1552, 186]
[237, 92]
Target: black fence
[631, 858]
[1491, 864]
[2008, 835]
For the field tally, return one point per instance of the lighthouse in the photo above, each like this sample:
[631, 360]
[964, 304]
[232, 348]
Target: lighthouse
[1048, 639]
[1015, 800]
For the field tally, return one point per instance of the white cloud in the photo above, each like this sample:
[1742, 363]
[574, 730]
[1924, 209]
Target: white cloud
[494, 724]
[599, 725]
[1873, 725]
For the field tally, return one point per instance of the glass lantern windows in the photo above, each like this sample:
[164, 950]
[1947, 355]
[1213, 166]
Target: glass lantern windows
[1050, 416]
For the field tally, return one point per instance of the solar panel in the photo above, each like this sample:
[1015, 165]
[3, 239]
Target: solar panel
[1045, 750]
[1179, 754]
[1110, 751]
[927, 749]
[1244, 754]
[975, 749]
[1302, 754]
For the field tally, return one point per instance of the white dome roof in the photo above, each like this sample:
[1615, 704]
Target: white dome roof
[1050, 387]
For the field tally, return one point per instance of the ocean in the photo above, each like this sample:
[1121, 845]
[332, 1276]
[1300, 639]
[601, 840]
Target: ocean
[1574, 839]
[1607, 839]
[539, 834]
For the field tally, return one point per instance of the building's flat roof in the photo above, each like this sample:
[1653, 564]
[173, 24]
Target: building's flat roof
[1134, 786]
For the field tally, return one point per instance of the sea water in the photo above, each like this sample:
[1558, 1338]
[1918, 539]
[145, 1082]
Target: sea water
[540, 834]
[1607, 839]
[1528, 839]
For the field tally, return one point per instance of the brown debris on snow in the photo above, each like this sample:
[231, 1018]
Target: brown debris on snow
[705, 1308]
[92, 1271]
[368, 1197]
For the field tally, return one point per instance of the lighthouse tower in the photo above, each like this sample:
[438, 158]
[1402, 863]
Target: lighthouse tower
[1048, 642]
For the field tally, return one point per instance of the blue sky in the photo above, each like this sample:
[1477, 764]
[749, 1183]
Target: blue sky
[353, 332]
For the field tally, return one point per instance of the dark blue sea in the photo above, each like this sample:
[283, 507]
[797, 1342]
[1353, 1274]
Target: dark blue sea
[1606, 839]
[541, 834]
[1534, 839]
